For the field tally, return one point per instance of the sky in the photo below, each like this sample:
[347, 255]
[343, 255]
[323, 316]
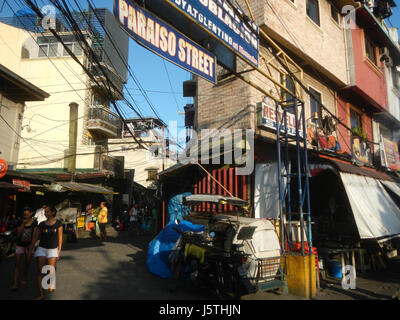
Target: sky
[152, 72]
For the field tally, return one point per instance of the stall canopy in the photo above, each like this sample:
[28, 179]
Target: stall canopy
[78, 187]
[392, 186]
[375, 212]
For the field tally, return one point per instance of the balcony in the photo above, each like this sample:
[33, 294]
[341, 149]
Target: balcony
[103, 75]
[103, 122]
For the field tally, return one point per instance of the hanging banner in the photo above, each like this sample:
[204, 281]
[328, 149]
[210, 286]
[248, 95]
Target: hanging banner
[164, 40]
[266, 115]
[222, 21]
[3, 168]
[391, 151]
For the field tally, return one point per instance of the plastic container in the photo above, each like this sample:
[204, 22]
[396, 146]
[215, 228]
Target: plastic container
[335, 269]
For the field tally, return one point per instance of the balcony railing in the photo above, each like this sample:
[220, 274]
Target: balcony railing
[103, 121]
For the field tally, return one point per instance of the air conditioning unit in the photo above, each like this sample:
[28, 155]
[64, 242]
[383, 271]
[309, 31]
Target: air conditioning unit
[384, 56]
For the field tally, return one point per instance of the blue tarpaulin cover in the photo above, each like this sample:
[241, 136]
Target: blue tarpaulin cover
[176, 210]
[161, 246]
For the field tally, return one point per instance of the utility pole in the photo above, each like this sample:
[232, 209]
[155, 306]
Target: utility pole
[73, 135]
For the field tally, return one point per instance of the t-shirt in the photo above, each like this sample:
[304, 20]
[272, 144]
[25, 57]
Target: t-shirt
[133, 217]
[49, 235]
[103, 215]
[26, 236]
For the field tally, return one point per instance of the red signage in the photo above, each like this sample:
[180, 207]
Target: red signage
[26, 185]
[3, 168]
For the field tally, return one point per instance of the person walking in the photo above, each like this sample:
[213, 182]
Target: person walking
[24, 240]
[50, 233]
[102, 218]
[133, 218]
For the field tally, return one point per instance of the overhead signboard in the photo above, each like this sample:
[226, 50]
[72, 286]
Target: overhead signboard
[25, 185]
[267, 118]
[164, 40]
[223, 22]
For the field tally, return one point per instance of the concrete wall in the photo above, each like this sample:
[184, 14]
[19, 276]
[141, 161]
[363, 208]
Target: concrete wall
[46, 123]
[287, 23]
[138, 159]
[11, 116]
[370, 79]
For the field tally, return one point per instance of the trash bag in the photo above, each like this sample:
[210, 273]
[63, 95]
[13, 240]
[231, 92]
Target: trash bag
[176, 210]
[160, 247]
[97, 229]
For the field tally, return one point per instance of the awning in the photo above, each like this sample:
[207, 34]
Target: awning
[323, 162]
[6, 185]
[78, 187]
[375, 213]
[392, 186]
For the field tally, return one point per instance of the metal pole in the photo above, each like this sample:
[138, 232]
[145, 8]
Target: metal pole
[289, 208]
[299, 174]
[306, 167]
[278, 144]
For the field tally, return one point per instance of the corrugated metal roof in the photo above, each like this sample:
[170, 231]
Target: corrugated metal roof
[347, 167]
[81, 187]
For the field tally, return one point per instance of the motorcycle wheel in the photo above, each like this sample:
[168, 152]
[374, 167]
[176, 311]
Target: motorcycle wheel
[231, 288]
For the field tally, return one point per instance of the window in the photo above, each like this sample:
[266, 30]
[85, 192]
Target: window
[48, 50]
[315, 105]
[370, 50]
[74, 47]
[313, 10]
[289, 84]
[334, 13]
[355, 119]
[152, 174]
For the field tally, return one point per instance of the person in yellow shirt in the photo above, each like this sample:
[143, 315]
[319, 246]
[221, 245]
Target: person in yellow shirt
[102, 219]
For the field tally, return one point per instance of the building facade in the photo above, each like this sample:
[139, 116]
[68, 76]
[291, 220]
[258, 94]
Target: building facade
[36, 54]
[342, 60]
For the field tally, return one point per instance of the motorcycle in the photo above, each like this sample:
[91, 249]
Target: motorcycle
[210, 268]
[121, 222]
[8, 239]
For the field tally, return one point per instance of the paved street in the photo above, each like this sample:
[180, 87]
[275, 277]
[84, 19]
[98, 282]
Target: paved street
[88, 269]
[116, 269]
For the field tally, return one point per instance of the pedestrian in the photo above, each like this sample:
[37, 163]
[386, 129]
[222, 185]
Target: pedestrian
[50, 233]
[102, 219]
[133, 218]
[40, 215]
[88, 214]
[24, 240]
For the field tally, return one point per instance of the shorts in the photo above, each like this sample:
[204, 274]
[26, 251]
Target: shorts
[21, 250]
[48, 253]
[102, 226]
